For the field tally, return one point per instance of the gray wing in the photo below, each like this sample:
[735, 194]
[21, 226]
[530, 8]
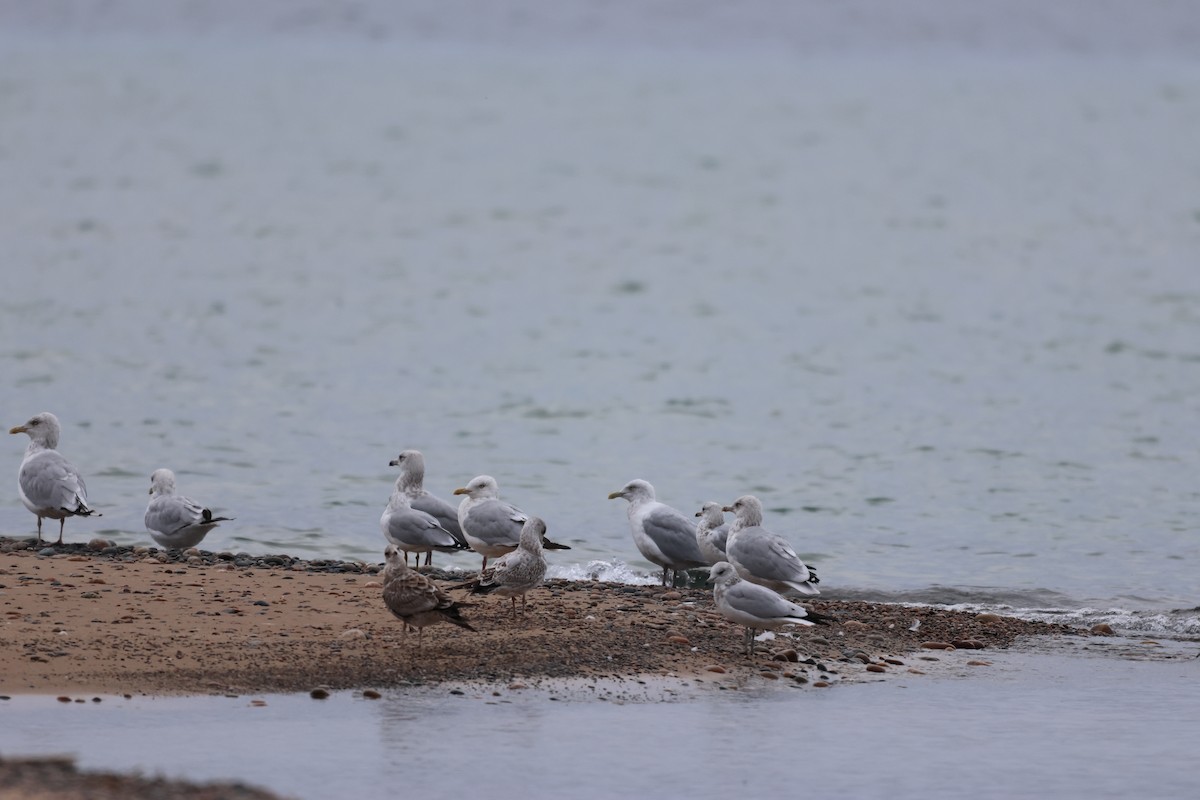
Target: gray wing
[170, 514]
[409, 526]
[495, 522]
[50, 481]
[761, 602]
[719, 536]
[443, 512]
[768, 556]
[674, 534]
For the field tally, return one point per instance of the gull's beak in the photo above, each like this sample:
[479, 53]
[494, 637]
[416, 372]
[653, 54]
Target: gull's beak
[611, 496]
[462, 490]
[727, 508]
[19, 429]
[699, 513]
[395, 462]
[151, 490]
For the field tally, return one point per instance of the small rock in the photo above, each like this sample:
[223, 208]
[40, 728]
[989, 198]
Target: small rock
[319, 693]
[894, 661]
[99, 543]
[1103, 629]
[715, 668]
[258, 703]
[990, 619]
[876, 668]
[821, 684]
[516, 686]
[373, 585]
[678, 638]
[915, 671]
[787, 655]
[671, 596]
[937, 645]
[371, 694]
[967, 644]
[855, 625]
[62, 698]
[976, 663]
[353, 633]
[46, 551]
[769, 675]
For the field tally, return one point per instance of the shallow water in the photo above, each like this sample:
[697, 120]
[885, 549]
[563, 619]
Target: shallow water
[1068, 724]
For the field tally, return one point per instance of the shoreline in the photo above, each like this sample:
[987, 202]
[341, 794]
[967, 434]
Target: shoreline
[100, 619]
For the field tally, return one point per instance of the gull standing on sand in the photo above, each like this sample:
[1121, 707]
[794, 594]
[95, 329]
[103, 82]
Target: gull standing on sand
[711, 532]
[175, 521]
[517, 572]
[412, 483]
[763, 557]
[414, 598]
[50, 486]
[491, 526]
[756, 607]
[663, 534]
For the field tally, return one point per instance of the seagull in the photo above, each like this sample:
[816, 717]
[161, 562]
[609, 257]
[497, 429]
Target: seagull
[414, 598]
[763, 557]
[414, 531]
[175, 521]
[517, 572]
[756, 607]
[663, 535]
[491, 526]
[711, 532]
[50, 485]
[412, 482]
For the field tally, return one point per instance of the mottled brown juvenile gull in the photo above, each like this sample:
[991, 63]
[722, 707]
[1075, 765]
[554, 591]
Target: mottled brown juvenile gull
[663, 535]
[50, 486]
[756, 607]
[491, 526]
[414, 531]
[711, 532]
[414, 598]
[175, 521]
[517, 572]
[764, 557]
[412, 483]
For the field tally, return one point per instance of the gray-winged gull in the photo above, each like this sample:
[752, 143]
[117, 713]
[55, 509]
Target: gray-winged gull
[491, 526]
[763, 557]
[175, 521]
[412, 483]
[712, 531]
[50, 486]
[756, 607]
[414, 531]
[663, 535]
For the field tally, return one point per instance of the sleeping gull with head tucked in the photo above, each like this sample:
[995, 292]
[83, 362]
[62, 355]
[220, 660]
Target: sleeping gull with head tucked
[414, 598]
[711, 532]
[663, 535]
[175, 521]
[517, 572]
[412, 483]
[50, 486]
[756, 607]
[763, 557]
[491, 526]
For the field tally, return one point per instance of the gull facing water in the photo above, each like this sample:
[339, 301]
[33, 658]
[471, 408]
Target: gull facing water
[756, 607]
[50, 486]
[763, 557]
[175, 521]
[517, 572]
[412, 483]
[491, 526]
[663, 535]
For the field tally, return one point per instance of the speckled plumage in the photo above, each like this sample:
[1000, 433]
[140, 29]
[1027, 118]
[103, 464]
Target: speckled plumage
[414, 598]
[517, 572]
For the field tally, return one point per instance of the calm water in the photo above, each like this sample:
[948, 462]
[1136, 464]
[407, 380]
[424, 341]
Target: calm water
[926, 282]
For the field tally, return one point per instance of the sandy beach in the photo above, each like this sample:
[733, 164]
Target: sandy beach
[113, 620]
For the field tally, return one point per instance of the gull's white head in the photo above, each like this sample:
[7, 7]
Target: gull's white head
[748, 510]
[532, 533]
[722, 572]
[482, 486]
[634, 491]
[712, 513]
[162, 481]
[410, 461]
[391, 554]
[42, 428]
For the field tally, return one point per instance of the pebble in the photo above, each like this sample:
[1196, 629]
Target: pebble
[855, 625]
[876, 668]
[976, 663]
[968, 644]
[989, 618]
[715, 668]
[98, 544]
[787, 655]
[678, 638]
[63, 699]
[821, 684]
[671, 596]
[46, 551]
[769, 675]
[319, 693]
[937, 645]
[371, 694]
[258, 703]
[353, 633]
[1103, 629]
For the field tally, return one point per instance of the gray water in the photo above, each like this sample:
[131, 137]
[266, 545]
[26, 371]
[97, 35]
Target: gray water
[926, 281]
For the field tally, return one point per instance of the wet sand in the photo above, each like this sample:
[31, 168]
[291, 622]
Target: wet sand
[143, 621]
